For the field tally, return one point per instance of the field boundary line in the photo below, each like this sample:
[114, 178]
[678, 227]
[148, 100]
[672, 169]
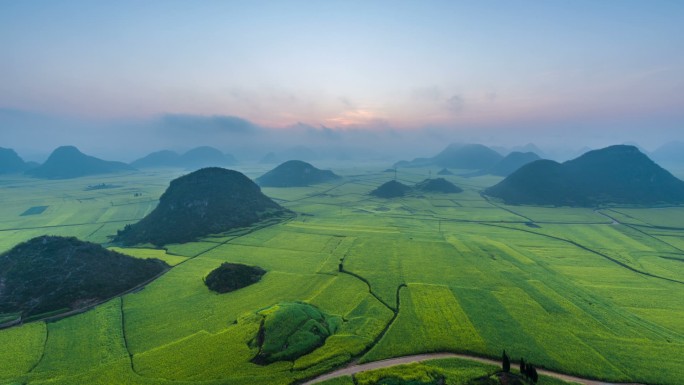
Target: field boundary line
[626, 266]
[42, 354]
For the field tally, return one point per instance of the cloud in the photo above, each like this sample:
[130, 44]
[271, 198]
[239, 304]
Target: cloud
[429, 93]
[455, 103]
[347, 103]
[207, 124]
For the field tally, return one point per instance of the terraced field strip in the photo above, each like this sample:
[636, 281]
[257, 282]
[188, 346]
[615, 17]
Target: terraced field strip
[626, 266]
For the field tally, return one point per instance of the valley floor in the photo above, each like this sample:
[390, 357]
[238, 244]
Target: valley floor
[592, 293]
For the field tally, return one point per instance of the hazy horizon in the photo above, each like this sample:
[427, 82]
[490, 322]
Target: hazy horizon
[392, 79]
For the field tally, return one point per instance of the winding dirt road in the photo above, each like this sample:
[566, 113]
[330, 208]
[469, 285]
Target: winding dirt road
[357, 368]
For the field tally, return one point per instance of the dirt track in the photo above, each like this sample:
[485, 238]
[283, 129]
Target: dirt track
[357, 368]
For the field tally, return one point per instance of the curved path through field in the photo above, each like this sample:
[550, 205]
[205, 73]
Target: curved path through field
[357, 368]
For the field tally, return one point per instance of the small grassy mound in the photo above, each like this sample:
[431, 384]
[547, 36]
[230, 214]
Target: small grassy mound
[232, 276]
[290, 330]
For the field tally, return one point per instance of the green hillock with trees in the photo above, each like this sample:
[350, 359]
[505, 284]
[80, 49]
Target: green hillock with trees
[290, 330]
[50, 274]
[232, 276]
[208, 201]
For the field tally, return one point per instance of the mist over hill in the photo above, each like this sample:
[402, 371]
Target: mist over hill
[618, 174]
[68, 162]
[671, 152]
[207, 201]
[508, 164]
[461, 156]
[203, 156]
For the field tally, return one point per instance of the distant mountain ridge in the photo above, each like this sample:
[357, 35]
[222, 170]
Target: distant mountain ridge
[198, 157]
[618, 174]
[68, 162]
[459, 156]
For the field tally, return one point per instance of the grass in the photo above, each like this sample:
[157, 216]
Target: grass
[22, 348]
[293, 329]
[478, 279]
[433, 320]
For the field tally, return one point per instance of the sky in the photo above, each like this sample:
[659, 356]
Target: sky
[502, 72]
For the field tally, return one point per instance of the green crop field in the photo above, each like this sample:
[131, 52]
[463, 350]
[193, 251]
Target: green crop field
[595, 293]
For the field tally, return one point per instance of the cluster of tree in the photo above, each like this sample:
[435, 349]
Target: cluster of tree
[526, 369]
[529, 371]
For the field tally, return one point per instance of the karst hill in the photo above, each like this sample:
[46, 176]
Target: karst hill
[208, 201]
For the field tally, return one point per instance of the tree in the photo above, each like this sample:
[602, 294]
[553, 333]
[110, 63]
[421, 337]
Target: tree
[506, 363]
[522, 366]
[533, 374]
